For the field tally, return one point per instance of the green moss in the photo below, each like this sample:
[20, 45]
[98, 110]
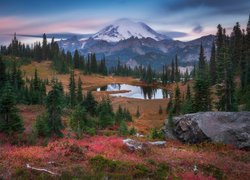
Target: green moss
[141, 170]
[214, 171]
[100, 163]
[162, 171]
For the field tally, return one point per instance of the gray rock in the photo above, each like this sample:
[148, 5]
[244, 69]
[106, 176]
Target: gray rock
[224, 127]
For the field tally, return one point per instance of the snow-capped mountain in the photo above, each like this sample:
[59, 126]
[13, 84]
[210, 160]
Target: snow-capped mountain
[136, 43]
[124, 29]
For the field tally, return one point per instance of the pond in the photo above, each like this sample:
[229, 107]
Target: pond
[138, 92]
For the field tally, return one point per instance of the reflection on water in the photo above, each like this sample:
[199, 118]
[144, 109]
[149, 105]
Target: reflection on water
[139, 92]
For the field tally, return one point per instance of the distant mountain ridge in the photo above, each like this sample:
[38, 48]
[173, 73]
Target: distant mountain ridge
[135, 42]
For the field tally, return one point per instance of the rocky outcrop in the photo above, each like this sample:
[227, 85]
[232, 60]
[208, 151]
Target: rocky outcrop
[225, 127]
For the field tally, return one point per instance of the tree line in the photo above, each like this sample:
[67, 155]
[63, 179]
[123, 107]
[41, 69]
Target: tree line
[229, 65]
[62, 61]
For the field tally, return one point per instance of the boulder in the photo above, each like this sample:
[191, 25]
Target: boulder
[224, 127]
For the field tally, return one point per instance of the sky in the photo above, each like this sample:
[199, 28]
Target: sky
[180, 19]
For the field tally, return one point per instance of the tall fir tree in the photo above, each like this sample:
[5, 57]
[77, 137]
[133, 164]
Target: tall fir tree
[202, 101]
[10, 120]
[227, 66]
[78, 121]
[54, 105]
[177, 73]
[236, 43]
[90, 104]
[172, 72]
[76, 59]
[72, 89]
[212, 66]
[177, 101]
[45, 48]
[79, 91]
[2, 73]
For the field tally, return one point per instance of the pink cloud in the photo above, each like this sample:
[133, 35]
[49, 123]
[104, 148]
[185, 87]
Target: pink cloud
[23, 26]
[10, 24]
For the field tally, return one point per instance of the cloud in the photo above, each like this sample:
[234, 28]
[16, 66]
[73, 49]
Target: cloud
[34, 26]
[215, 6]
[198, 29]
[174, 34]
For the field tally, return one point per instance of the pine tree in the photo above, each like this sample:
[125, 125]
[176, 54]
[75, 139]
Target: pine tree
[132, 131]
[149, 75]
[79, 91]
[89, 103]
[10, 121]
[186, 76]
[188, 93]
[45, 48]
[177, 74]
[202, 101]
[76, 59]
[236, 40]
[78, 121]
[93, 63]
[72, 89]
[2, 73]
[212, 66]
[119, 115]
[187, 105]
[170, 105]
[14, 46]
[172, 72]
[177, 101]
[123, 129]
[225, 89]
[41, 125]
[138, 114]
[54, 105]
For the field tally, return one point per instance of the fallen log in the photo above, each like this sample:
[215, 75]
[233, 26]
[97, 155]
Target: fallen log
[41, 169]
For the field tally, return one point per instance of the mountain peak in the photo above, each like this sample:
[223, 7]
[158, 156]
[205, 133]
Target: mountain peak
[124, 28]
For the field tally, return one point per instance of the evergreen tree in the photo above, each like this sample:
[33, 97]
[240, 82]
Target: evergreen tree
[170, 105]
[177, 101]
[188, 93]
[177, 74]
[132, 131]
[54, 105]
[93, 63]
[78, 121]
[212, 66]
[202, 101]
[10, 121]
[236, 40]
[41, 125]
[45, 48]
[119, 115]
[2, 73]
[89, 103]
[76, 59]
[72, 89]
[149, 75]
[187, 105]
[172, 72]
[186, 76]
[138, 114]
[225, 88]
[79, 91]
[123, 129]
[14, 46]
